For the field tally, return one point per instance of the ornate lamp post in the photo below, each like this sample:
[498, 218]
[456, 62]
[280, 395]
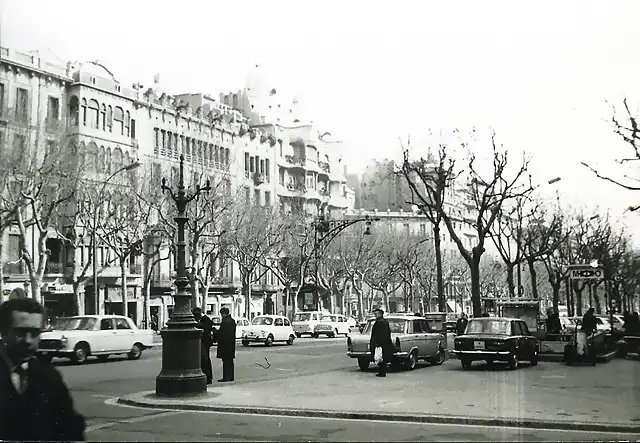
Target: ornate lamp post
[181, 374]
[325, 231]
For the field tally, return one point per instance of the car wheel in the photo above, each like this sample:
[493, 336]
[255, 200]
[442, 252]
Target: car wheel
[534, 358]
[331, 335]
[298, 335]
[363, 364]
[269, 341]
[80, 353]
[245, 343]
[335, 333]
[412, 361]
[103, 358]
[135, 352]
[466, 363]
[314, 335]
[513, 361]
[440, 357]
[290, 341]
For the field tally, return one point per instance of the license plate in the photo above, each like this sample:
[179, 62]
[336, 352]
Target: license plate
[44, 352]
[478, 345]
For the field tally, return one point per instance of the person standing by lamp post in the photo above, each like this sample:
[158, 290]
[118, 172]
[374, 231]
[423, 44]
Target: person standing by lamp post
[227, 345]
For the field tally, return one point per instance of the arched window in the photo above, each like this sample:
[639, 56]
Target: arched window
[187, 150]
[107, 160]
[127, 124]
[217, 155]
[118, 120]
[169, 143]
[235, 101]
[212, 159]
[74, 111]
[109, 118]
[117, 159]
[83, 110]
[199, 151]
[94, 114]
[103, 117]
[92, 157]
[101, 159]
[227, 155]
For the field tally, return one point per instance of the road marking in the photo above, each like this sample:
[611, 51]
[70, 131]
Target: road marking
[143, 418]
[554, 376]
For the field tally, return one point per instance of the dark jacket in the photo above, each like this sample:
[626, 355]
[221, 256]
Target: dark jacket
[227, 338]
[554, 326]
[381, 336]
[589, 323]
[206, 324]
[44, 412]
[461, 325]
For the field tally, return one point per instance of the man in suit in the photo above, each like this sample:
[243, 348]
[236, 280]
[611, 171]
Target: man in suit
[206, 324]
[381, 337]
[227, 345]
[35, 403]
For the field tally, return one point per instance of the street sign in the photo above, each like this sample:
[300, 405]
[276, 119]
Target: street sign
[586, 274]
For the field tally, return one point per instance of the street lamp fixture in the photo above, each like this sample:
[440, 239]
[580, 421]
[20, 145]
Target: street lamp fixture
[181, 374]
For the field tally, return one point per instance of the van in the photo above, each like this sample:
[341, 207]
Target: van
[305, 322]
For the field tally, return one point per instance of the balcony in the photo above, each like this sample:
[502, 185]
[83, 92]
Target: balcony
[324, 167]
[295, 160]
[222, 283]
[54, 268]
[297, 187]
[135, 269]
[258, 178]
[14, 269]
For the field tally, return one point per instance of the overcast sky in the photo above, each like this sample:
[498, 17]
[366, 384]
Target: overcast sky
[537, 72]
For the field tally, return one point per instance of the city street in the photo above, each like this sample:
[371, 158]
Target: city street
[96, 385]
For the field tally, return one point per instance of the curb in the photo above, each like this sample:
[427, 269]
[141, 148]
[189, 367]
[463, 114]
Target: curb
[390, 417]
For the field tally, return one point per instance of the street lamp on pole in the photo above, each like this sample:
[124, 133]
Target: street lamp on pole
[94, 252]
[181, 374]
[325, 231]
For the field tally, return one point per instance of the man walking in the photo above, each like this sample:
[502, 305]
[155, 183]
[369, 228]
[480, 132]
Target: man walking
[461, 324]
[206, 324]
[35, 403]
[227, 345]
[381, 338]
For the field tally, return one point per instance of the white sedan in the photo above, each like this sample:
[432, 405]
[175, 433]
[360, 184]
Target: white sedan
[268, 329]
[95, 335]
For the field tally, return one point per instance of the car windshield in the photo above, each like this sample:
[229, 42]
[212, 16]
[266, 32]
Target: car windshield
[78, 324]
[306, 316]
[488, 326]
[262, 321]
[397, 325]
[328, 318]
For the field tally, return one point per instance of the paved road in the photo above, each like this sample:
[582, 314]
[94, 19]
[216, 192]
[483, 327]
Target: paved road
[94, 384]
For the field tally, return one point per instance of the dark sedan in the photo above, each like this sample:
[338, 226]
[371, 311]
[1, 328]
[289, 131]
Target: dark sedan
[497, 339]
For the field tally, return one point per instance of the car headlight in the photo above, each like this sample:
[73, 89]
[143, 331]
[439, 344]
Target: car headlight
[64, 340]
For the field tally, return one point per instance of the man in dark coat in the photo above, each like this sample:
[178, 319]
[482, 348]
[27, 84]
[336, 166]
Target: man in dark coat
[227, 345]
[35, 403]
[381, 337]
[206, 324]
[589, 322]
[461, 324]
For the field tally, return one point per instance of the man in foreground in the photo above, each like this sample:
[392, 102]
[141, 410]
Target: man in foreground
[381, 338]
[207, 340]
[35, 403]
[227, 345]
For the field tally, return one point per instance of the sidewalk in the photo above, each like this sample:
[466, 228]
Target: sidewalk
[550, 395]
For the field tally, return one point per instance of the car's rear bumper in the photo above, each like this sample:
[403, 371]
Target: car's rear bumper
[396, 355]
[483, 355]
[55, 352]
[254, 339]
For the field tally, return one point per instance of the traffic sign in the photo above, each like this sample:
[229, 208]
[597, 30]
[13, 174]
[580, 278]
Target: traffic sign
[586, 274]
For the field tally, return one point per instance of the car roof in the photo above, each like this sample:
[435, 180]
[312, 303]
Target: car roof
[270, 316]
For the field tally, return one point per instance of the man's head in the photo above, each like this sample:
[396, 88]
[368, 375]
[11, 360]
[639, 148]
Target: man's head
[590, 311]
[21, 322]
[379, 313]
[224, 312]
[208, 313]
[464, 315]
[197, 313]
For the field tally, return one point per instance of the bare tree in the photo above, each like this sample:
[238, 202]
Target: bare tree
[429, 179]
[385, 264]
[629, 131]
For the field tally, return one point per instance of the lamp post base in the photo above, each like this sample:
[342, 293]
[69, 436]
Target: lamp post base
[181, 374]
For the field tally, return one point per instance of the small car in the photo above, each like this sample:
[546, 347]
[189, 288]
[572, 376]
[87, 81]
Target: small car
[305, 322]
[412, 338]
[497, 339]
[268, 329]
[331, 325]
[79, 337]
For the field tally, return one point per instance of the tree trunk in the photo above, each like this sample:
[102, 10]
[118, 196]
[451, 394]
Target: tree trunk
[534, 281]
[596, 298]
[1, 267]
[204, 291]
[146, 301]
[555, 287]
[476, 302]
[78, 305]
[578, 288]
[247, 290]
[510, 282]
[385, 299]
[439, 276]
[569, 295]
[123, 286]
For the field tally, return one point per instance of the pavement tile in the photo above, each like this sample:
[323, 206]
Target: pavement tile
[549, 392]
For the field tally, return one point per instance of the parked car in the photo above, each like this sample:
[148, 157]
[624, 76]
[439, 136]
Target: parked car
[413, 340]
[241, 325]
[497, 339]
[305, 322]
[331, 325]
[268, 329]
[79, 337]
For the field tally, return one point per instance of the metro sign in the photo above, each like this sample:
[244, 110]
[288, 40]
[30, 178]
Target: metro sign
[586, 274]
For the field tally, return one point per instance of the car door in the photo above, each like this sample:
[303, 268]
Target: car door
[287, 328]
[431, 338]
[125, 333]
[529, 340]
[516, 333]
[278, 329]
[419, 337]
[105, 337]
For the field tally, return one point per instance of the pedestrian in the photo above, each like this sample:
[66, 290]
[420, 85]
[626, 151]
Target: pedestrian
[554, 326]
[381, 338]
[461, 324]
[206, 341]
[35, 403]
[589, 322]
[227, 345]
